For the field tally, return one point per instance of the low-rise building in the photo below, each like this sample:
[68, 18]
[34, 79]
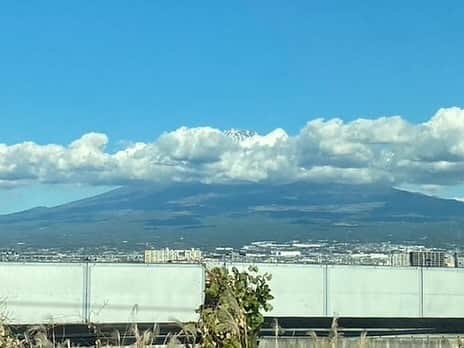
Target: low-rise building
[286, 253]
[400, 260]
[173, 255]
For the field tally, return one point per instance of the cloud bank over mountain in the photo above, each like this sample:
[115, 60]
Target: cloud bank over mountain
[384, 150]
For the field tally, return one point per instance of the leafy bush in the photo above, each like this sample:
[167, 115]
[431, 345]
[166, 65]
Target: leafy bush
[231, 316]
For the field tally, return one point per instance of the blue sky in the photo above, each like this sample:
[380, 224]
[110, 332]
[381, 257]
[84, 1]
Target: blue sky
[135, 69]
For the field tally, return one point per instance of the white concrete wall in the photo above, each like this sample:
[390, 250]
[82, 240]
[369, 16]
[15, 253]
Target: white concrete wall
[42, 293]
[108, 293]
[373, 291]
[145, 293]
[297, 289]
[350, 291]
[443, 292]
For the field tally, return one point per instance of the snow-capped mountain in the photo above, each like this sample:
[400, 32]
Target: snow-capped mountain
[239, 134]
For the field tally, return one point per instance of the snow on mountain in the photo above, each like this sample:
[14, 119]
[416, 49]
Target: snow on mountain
[239, 134]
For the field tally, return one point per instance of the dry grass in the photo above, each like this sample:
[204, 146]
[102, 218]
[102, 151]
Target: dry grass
[335, 339]
[39, 337]
[35, 337]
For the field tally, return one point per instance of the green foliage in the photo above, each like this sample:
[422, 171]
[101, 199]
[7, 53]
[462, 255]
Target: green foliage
[232, 314]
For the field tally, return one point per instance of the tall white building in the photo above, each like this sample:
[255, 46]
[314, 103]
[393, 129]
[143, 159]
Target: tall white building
[421, 258]
[173, 255]
[427, 258]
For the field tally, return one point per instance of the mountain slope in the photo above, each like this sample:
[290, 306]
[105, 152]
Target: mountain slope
[210, 215]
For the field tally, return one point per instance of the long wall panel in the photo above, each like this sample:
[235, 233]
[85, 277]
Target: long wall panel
[297, 289]
[38, 293]
[145, 293]
[443, 292]
[41, 293]
[373, 291]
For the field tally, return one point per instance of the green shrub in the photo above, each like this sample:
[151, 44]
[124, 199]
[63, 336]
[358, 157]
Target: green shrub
[231, 316]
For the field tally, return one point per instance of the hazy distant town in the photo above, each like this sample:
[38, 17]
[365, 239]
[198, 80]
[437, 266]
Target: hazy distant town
[295, 251]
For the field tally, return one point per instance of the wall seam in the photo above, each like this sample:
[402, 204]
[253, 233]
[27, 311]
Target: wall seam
[325, 291]
[87, 293]
[84, 293]
[421, 292]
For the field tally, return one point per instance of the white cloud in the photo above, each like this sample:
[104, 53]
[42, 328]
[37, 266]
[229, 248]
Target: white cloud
[202, 144]
[386, 149]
